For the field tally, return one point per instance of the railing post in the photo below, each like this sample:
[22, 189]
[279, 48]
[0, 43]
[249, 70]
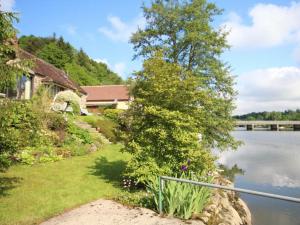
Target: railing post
[161, 186]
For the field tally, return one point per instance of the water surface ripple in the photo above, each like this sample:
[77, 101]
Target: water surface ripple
[271, 163]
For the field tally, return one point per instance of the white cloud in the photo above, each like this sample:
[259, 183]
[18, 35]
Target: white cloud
[269, 89]
[72, 30]
[280, 170]
[90, 37]
[105, 61]
[271, 25]
[279, 180]
[7, 5]
[119, 68]
[120, 30]
[68, 28]
[296, 54]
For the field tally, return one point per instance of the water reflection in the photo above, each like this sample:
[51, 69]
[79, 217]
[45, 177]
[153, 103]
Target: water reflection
[231, 172]
[267, 157]
[268, 162]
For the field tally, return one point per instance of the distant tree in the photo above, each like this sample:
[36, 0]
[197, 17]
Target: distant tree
[67, 48]
[79, 74]
[79, 66]
[54, 55]
[274, 115]
[182, 30]
[32, 44]
[82, 58]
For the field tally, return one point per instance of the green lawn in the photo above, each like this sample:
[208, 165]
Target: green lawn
[31, 194]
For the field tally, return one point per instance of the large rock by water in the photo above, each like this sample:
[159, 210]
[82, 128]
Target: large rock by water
[226, 208]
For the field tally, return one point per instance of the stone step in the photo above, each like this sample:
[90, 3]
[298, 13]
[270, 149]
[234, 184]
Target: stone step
[86, 126]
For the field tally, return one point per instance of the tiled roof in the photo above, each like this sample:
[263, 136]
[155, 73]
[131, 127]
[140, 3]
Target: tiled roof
[50, 72]
[107, 93]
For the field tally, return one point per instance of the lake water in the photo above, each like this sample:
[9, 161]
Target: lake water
[269, 161]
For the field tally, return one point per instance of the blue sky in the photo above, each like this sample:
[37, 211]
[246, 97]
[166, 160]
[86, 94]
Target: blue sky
[265, 39]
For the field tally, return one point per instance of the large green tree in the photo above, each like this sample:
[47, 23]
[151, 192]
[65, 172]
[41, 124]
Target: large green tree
[183, 31]
[10, 67]
[185, 91]
[14, 116]
[164, 121]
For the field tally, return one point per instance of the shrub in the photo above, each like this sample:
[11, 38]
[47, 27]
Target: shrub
[77, 148]
[77, 132]
[26, 157]
[56, 122]
[113, 114]
[38, 154]
[180, 199]
[5, 161]
[19, 127]
[92, 120]
[69, 97]
[76, 108]
[107, 128]
[109, 106]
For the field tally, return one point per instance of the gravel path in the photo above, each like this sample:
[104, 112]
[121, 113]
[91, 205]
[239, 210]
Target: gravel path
[106, 212]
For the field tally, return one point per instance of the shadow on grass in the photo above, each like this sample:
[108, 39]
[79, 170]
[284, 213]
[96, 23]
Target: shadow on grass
[110, 171]
[8, 183]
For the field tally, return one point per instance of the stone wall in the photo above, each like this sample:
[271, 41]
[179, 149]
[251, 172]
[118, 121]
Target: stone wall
[37, 82]
[83, 101]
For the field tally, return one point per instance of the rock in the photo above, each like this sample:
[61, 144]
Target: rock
[93, 148]
[231, 216]
[226, 208]
[247, 216]
[206, 214]
[204, 219]
[211, 208]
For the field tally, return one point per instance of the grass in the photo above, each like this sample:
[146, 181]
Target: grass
[107, 126]
[92, 119]
[32, 194]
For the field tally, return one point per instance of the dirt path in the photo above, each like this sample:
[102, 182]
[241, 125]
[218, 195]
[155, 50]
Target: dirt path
[106, 212]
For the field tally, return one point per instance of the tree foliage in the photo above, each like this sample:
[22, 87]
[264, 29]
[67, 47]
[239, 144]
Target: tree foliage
[182, 30]
[19, 127]
[165, 121]
[80, 67]
[54, 55]
[184, 90]
[10, 68]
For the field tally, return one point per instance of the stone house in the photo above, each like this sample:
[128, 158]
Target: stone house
[46, 74]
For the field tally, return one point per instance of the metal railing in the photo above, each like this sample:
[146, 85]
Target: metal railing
[263, 194]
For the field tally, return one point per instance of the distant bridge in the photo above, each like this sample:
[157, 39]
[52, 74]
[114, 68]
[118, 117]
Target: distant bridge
[272, 125]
